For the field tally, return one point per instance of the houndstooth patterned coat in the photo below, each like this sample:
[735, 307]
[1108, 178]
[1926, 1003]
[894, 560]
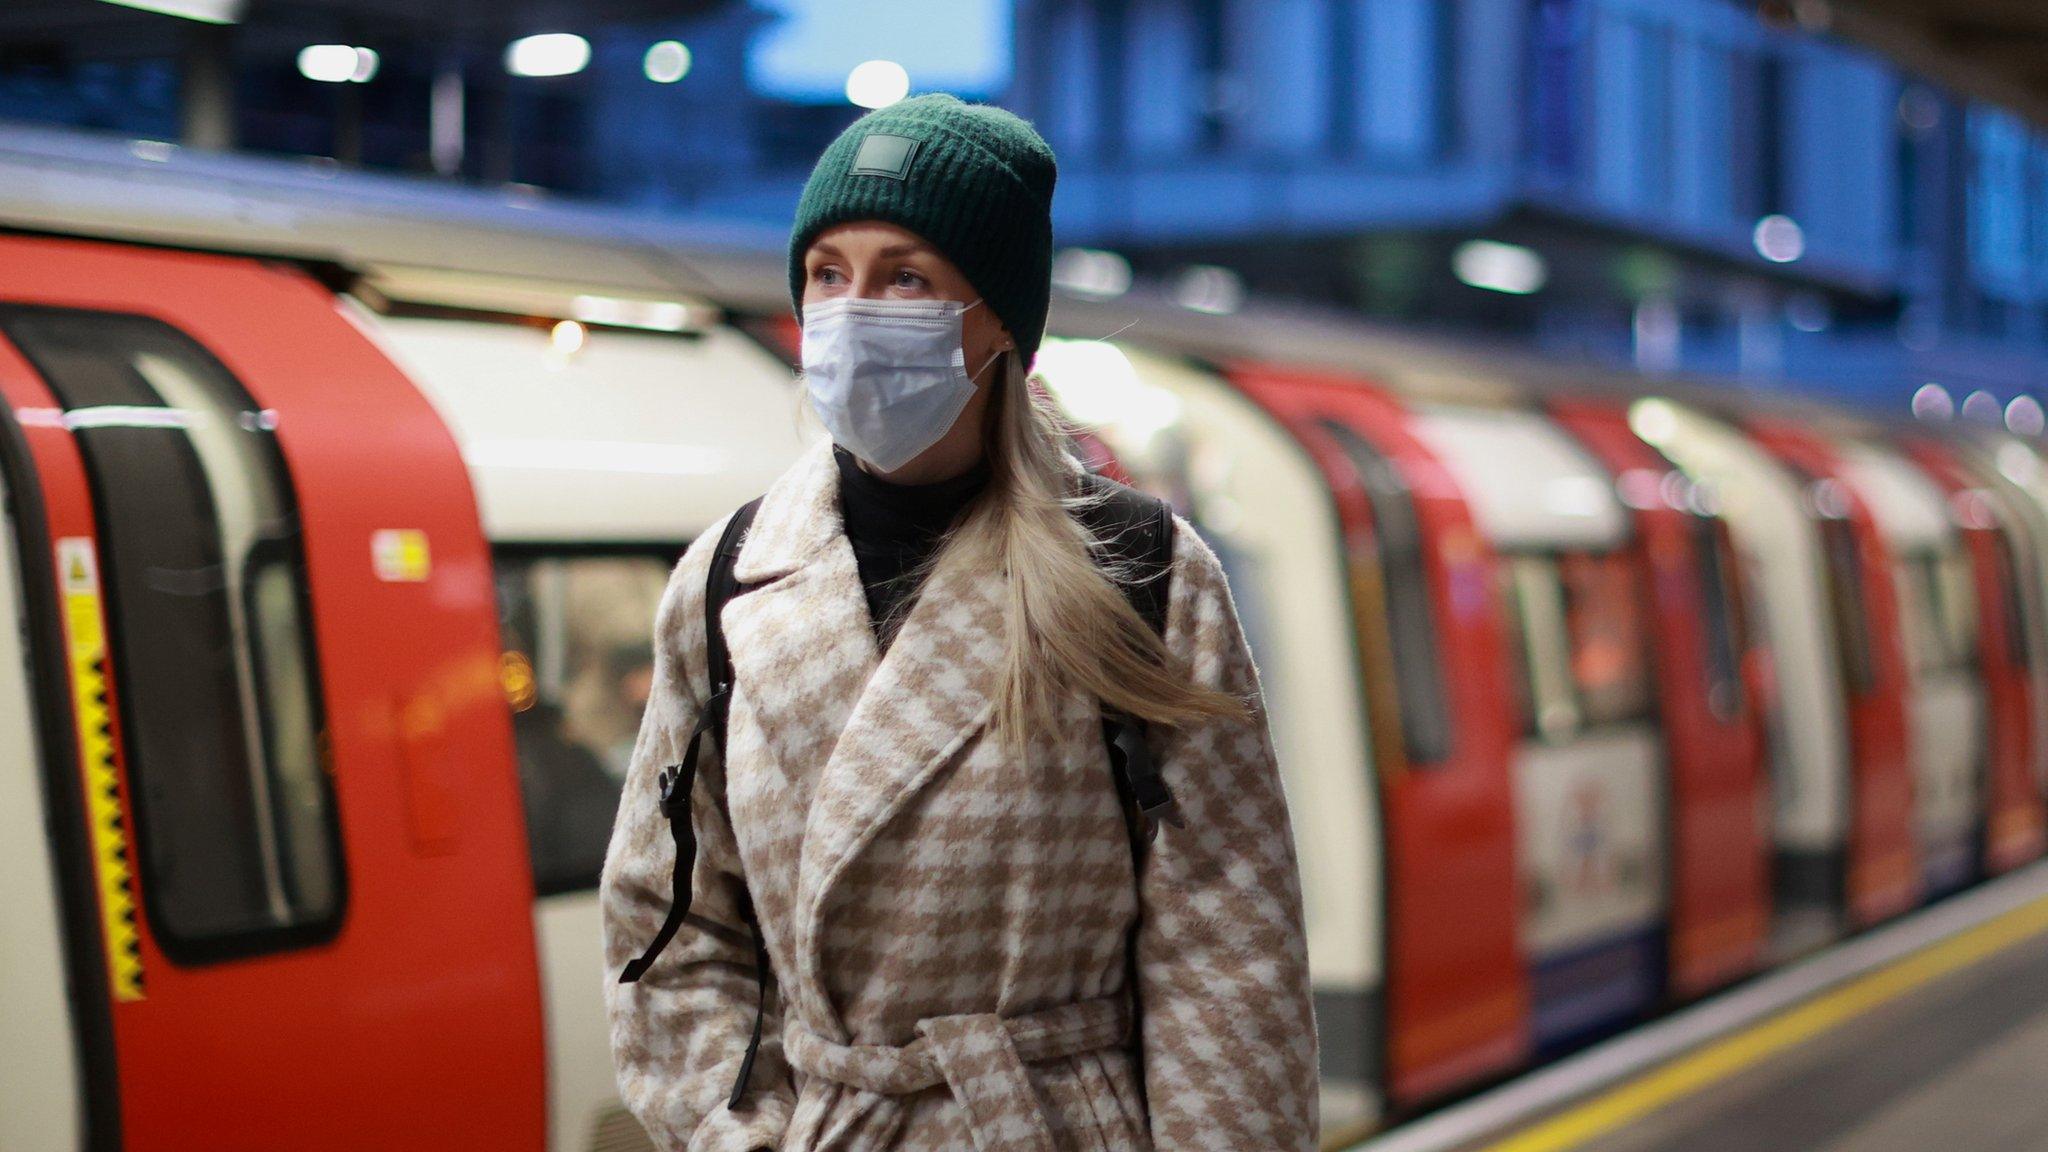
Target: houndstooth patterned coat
[946, 928]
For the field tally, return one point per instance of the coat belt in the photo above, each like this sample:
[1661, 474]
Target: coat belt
[979, 1056]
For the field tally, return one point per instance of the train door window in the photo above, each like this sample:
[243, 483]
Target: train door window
[577, 668]
[1610, 662]
[1577, 625]
[1937, 610]
[1955, 585]
[213, 658]
[1720, 593]
[2014, 594]
[1842, 560]
[1422, 700]
[1534, 597]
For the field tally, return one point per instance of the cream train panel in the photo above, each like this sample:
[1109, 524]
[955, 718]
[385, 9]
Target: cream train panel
[39, 1104]
[1781, 561]
[1589, 798]
[1946, 713]
[1528, 484]
[1262, 503]
[632, 438]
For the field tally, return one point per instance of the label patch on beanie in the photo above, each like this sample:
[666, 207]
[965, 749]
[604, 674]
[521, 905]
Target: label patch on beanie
[884, 154]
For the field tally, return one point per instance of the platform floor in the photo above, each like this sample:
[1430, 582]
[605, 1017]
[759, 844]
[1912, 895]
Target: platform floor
[1958, 1065]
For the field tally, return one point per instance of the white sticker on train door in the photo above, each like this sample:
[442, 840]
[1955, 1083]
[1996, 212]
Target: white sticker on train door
[399, 555]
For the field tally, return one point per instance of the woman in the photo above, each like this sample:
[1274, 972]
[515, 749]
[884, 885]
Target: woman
[917, 806]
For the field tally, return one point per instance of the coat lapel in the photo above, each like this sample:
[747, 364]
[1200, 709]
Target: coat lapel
[932, 693]
[801, 643]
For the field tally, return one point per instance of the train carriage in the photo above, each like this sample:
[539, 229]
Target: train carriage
[338, 511]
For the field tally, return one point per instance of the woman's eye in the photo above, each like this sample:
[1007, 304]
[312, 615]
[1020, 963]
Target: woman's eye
[905, 278]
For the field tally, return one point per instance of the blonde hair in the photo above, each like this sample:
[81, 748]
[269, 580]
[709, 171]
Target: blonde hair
[1067, 624]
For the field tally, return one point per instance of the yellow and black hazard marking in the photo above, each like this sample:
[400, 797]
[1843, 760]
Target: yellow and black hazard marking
[112, 860]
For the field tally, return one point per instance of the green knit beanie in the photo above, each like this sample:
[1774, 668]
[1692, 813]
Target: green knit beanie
[973, 180]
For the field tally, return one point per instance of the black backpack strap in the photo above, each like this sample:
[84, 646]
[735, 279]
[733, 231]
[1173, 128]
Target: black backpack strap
[1137, 528]
[677, 780]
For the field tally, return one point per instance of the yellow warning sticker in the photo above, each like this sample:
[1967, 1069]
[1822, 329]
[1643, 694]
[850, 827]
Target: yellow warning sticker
[399, 554]
[78, 573]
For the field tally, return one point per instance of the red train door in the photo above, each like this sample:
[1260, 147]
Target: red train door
[1720, 835]
[2014, 831]
[1883, 857]
[1456, 986]
[286, 735]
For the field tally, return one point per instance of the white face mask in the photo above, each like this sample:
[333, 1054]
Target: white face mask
[888, 377]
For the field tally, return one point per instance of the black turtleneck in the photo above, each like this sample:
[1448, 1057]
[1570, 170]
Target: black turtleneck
[894, 528]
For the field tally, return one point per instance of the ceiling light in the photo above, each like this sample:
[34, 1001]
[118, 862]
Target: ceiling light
[667, 62]
[1208, 288]
[204, 11]
[1091, 272]
[1779, 239]
[877, 83]
[1932, 402]
[1499, 267]
[548, 54]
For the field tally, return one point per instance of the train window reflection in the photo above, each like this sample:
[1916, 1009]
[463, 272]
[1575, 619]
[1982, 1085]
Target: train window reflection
[577, 668]
[1535, 597]
[1577, 632]
[210, 641]
[1604, 617]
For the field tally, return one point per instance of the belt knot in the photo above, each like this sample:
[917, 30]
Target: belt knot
[980, 1056]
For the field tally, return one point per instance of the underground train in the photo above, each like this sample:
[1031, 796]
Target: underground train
[338, 508]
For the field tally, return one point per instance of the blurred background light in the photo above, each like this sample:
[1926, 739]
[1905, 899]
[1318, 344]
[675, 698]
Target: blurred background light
[548, 54]
[1779, 239]
[807, 52]
[1097, 386]
[566, 337]
[2024, 417]
[338, 63]
[1932, 402]
[2017, 463]
[1091, 272]
[667, 62]
[1808, 312]
[654, 315]
[1209, 288]
[1653, 420]
[1499, 267]
[205, 11]
[1981, 407]
[877, 83]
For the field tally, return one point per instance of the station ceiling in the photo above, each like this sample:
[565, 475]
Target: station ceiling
[1996, 50]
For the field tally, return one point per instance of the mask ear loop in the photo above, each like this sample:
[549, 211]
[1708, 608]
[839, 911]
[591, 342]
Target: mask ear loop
[976, 377]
